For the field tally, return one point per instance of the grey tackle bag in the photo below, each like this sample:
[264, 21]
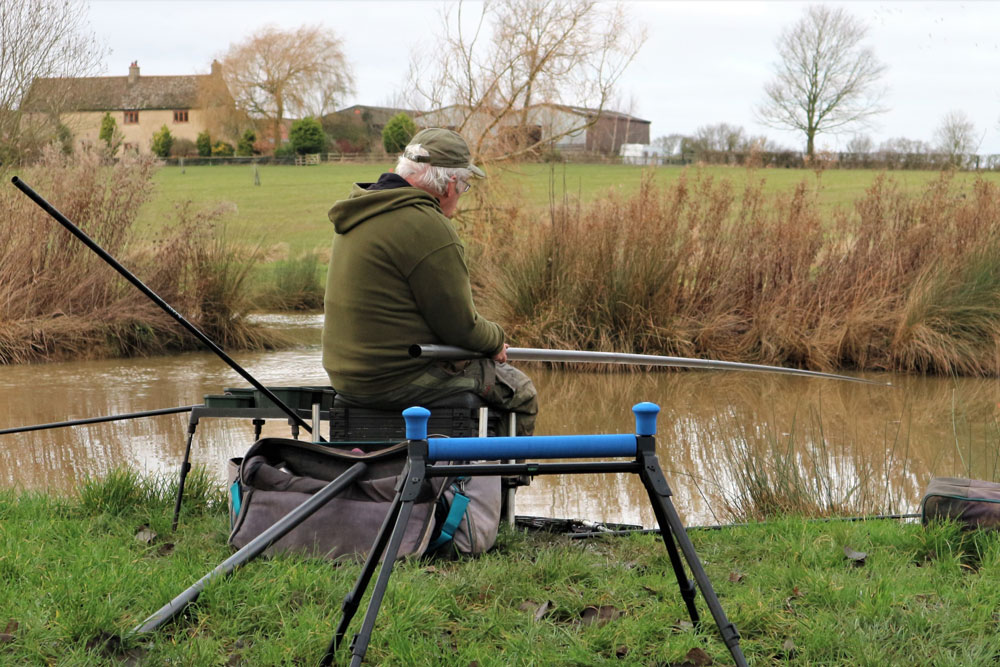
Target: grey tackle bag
[972, 502]
[276, 475]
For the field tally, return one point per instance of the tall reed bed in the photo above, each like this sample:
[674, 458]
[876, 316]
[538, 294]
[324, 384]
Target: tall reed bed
[59, 300]
[900, 283]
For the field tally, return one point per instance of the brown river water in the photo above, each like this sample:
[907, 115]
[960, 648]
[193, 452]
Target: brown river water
[895, 437]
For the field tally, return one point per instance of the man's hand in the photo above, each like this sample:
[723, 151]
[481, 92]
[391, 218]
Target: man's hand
[501, 356]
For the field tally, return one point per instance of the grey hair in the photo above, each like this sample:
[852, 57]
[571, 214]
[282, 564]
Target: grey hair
[431, 178]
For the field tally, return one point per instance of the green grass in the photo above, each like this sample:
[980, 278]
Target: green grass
[291, 203]
[76, 579]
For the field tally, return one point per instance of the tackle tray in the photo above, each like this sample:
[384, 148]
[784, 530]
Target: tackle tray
[362, 424]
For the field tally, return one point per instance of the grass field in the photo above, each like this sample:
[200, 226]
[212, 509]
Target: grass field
[287, 212]
[79, 572]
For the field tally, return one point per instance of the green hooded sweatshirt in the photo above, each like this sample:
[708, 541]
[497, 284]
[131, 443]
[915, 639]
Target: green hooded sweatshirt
[397, 277]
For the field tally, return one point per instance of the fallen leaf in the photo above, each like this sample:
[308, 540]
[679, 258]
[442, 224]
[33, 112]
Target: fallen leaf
[621, 652]
[6, 637]
[735, 577]
[789, 648]
[543, 609]
[430, 569]
[683, 626]
[165, 549]
[145, 535]
[858, 557]
[698, 657]
[599, 615]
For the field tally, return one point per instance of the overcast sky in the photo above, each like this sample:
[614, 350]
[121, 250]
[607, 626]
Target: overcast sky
[704, 62]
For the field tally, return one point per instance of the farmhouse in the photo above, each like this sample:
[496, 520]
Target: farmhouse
[140, 105]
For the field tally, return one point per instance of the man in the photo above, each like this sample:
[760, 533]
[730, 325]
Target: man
[398, 277]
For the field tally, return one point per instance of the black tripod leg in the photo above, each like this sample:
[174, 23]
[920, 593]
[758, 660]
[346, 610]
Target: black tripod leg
[353, 599]
[666, 516]
[359, 646]
[255, 547]
[686, 585]
[185, 467]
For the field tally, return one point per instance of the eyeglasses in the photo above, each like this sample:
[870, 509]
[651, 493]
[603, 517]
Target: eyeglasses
[461, 187]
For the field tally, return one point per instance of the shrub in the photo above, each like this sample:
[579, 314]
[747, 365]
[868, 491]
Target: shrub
[902, 283]
[109, 134]
[306, 136]
[183, 148]
[162, 141]
[245, 145]
[348, 133]
[398, 132]
[204, 144]
[285, 150]
[294, 285]
[222, 149]
[97, 313]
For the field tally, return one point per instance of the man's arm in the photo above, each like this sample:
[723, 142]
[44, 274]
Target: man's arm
[441, 288]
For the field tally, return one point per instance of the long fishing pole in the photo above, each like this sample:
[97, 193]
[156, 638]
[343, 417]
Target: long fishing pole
[656, 531]
[98, 420]
[578, 356]
[103, 254]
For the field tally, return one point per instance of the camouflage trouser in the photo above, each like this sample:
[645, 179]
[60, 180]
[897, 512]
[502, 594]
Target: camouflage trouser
[500, 385]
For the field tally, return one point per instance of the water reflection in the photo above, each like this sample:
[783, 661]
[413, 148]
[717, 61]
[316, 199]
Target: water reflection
[896, 437]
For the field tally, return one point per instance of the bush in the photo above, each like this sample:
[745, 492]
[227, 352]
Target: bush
[162, 141]
[222, 149]
[306, 136]
[284, 150]
[97, 313]
[348, 133]
[204, 144]
[398, 132]
[183, 148]
[245, 145]
[109, 134]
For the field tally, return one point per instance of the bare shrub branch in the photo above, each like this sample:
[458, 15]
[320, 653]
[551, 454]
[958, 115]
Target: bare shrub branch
[495, 79]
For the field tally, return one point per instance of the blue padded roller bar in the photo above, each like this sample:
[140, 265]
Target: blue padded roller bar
[534, 447]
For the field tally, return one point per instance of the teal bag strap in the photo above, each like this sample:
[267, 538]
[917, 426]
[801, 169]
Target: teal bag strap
[455, 514]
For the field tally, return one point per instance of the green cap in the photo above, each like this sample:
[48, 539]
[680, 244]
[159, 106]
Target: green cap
[441, 148]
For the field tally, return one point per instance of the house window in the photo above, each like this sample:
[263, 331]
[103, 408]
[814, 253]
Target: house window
[181, 116]
[131, 117]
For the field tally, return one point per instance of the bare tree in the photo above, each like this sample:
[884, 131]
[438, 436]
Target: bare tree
[826, 80]
[860, 144]
[956, 136]
[40, 39]
[525, 74]
[277, 73]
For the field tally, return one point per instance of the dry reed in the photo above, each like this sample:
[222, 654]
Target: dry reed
[60, 300]
[899, 283]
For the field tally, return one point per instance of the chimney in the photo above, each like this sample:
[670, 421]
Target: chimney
[133, 71]
[216, 68]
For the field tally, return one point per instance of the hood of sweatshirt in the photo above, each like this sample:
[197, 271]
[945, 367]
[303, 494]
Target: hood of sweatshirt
[363, 204]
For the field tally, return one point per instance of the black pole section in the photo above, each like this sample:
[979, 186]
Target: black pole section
[103, 254]
[98, 420]
[254, 548]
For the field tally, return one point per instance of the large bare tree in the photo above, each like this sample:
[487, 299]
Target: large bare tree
[40, 39]
[956, 136]
[826, 79]
[497, 78]
[277, 73]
